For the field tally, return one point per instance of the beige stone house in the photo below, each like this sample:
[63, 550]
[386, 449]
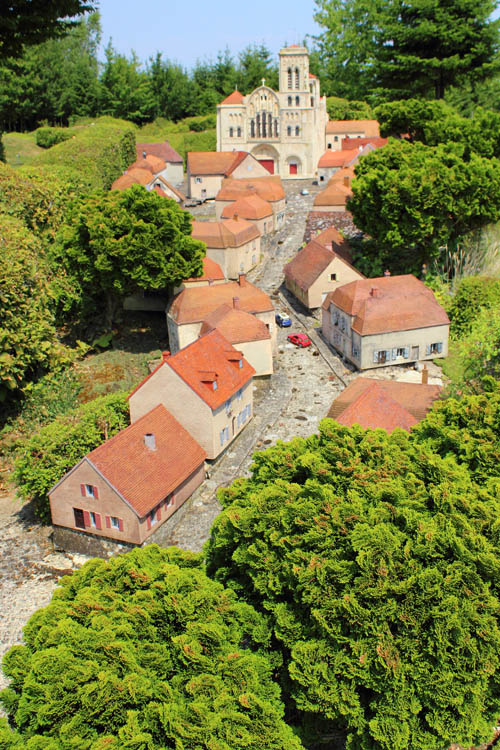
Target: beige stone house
[331, 161]
[207, 169]
[316, 271]
[233, 244]
[207, 386]
[246, 332]
[174, 167]
[268, 188]
[386, 320]
[254, 210]
[337, 130]
[192, 306]
[131, 484]
[284, 129]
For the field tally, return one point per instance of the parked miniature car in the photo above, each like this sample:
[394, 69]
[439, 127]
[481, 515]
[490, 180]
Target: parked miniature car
[283, 320]
[299, 339]
[304, 192]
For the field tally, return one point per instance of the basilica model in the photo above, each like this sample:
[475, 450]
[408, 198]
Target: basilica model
[285, 129]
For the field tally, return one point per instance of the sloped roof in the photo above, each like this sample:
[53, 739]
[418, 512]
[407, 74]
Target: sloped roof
[237, 326]
[222, 234]
[309, 263]
[268, 188]
[234, 98]
[332, 239]
[170, 187]
[208, 360]
[211, 271]
[142, 476]
[333, 158]
[388, 303]
[375, 408]
[132, 177]
[214, 162]
[311, 75]
[342, 174]
[368, 128]
[351, 143]
[195, 303]
[335, 194]
[250, 206]
[163, 150]
[416, 398]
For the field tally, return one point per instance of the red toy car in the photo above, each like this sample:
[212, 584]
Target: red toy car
[299, 339]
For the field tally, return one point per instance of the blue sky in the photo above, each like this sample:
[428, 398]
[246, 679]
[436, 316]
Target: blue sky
[197, 29]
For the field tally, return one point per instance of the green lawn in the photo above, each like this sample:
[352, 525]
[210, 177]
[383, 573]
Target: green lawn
[20, 148]
[451, 365]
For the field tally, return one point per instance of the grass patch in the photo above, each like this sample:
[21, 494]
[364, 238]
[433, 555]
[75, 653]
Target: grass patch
[451, 365]
[20, 148]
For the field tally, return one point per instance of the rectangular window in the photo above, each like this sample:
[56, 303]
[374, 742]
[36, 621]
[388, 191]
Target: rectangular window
[152, 518]
[89, 490]
[92, 520]
[228, 405]
[333, 277]
[198, 179]
[221, 437]
[436, 348]
[239, 394]
[382, 356]
[116, 523]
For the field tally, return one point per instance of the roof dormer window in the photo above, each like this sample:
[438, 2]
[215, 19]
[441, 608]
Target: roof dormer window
[214, 385]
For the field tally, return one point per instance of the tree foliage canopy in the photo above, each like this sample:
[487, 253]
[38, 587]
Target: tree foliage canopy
[375, 562]
[145, 652]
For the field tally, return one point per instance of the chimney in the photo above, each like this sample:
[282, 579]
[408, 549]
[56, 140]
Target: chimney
[210, 282]
[374, 292]
[387, 272]
[165, 356]
[346, 181]
[235, 217]
[242, 279]
[425, 375]
[236, 303]
[150, 441]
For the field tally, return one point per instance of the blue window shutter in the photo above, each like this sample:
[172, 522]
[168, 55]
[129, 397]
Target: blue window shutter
[440, 347]
[394, 353]
[428, 349]
[407, 352]
[375, 356]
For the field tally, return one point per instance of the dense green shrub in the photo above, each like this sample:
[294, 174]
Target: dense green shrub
[99, 153]
[201, 123]
[472, 294]
[48, 137]
[375, 562]
[344, 109]
[145, 652]
[50, 453]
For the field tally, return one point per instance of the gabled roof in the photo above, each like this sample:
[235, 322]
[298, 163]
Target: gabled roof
[234, 98]
[152, 163]
[211, 271]
[163, 150]
[335, 194]
[208, 360]
[215, 162]
[251, 207]
[333, 240]
[132, 177]
[310, 262]
[367, 128]
[416, 398]
[311, 75]
[388, 303]
[144, 477]
[375, 408]
[341, 175]
[237, 326]
[352, 143]
[268, 188]
[222, 234]
[168, 186]
[193, 305]
[334, 158]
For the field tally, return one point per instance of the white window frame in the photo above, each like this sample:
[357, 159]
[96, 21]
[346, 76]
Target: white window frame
[114, 523]
[89, 490]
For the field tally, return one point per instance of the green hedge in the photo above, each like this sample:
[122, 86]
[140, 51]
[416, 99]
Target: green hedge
[97, 154]
[48, 137]
[472, 295]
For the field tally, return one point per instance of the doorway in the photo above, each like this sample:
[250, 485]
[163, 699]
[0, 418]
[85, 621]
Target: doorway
[79, 519]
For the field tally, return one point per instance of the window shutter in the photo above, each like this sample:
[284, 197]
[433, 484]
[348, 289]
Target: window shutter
[98, 523]
[158, 513]
[375, 356]
[394, 353]
[108, 522]
[149, 522]
[407, 352]
[96, 493]
[86, 518]
[82, 490]
[428, 349]
[120, 524]
[440, 347]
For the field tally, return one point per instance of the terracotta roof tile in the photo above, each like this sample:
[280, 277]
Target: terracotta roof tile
[237, 326]
[344, 173]
[268, 188]
[388, 303]
[194, 304]
[334, 158]
[416, 398]
[163, 150]
[332, 239]
[142, 476]
[211, 271]
[352, 143]
[222, 234]
[214, 162]
[132, 177]
[234, 98]
[368, 128]
[248, 207]
[374, 408]
[309, 262]
[208, 360]
[142, 164]
[333, 195]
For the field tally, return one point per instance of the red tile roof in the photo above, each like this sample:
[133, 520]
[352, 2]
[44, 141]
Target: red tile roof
[208, 360]
[132, 177]
[142, 476]
[268, 188]
[334, 158]
[374, 408]
[237, 326]
[352, 143]
[333, 195]
[222, 234]
[416, 398]
[234, 98]
[214, 162]
[332, 239]
[310, 262]
[311, 75]
[388, 303]
[368, 128]
[163, 150]
[193, 305]
[343, 174]
[248, 207]
[211, 271]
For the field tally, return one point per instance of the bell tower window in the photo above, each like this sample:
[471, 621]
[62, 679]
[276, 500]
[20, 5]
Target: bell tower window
[297, 79]
[289, 78]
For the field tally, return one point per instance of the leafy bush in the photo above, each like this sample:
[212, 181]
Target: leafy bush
[48, 137]
[144, 651]
[472, 294]
[201, 123]
[344, 109]
[376, 564]
[98, 153]
[57, 447]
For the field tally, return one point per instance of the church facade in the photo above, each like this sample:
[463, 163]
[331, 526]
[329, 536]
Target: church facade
[284, 130]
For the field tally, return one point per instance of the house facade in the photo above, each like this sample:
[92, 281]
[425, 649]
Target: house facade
[269, 189]
[386, 320]
[207, 169]
[174, 166]
[251, 208]
[233, 244]
[284, 129]
[207, 386]
[337, 130]
[131, 484]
